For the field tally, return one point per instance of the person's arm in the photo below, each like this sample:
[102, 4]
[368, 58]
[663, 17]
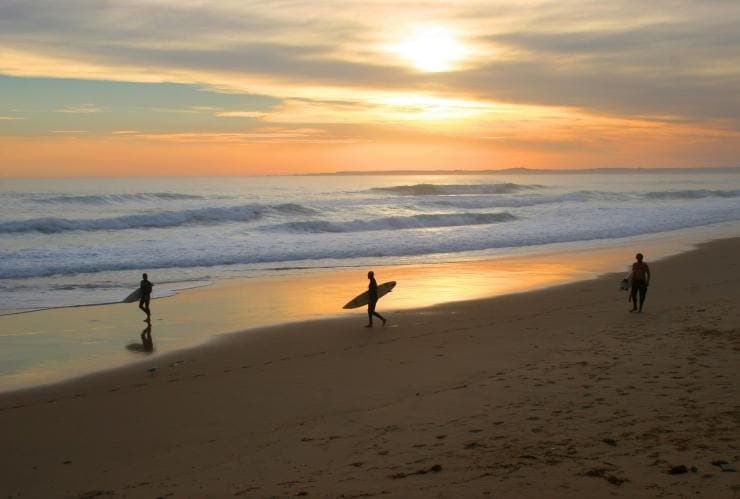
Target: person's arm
[647, 275]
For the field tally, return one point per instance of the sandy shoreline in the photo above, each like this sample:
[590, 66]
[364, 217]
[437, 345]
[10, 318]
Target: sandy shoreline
[50, 345]
[551, 393]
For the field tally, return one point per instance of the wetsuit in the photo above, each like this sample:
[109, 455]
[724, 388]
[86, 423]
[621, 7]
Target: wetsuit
[372, 291]
[146, 294]
[640, 272]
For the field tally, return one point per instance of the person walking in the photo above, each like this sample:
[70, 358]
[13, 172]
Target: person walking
[146, 295]
[640, 281]
[372, 291]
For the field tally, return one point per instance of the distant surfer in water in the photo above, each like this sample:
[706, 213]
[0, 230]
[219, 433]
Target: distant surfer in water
[372, 291]
[640, 281]
[146, 295]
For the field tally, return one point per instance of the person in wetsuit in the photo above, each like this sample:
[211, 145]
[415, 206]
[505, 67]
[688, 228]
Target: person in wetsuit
[146, 295]
[640, 282]
[372, 291]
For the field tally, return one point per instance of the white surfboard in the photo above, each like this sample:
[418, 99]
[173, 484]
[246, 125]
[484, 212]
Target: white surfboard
[134, 296]
[363, 298]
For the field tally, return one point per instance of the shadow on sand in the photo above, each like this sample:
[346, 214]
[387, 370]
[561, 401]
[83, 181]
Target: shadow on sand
[146, 345]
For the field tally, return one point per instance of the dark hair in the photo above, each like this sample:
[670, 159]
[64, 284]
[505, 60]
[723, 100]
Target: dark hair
[145, 276]
[639, 256]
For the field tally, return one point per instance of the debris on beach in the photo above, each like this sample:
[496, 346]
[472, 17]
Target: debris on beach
[725, 466]
[678, 470]
[433, 469]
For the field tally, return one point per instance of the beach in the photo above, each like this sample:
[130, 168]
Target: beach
[203, 204]
[555, 392]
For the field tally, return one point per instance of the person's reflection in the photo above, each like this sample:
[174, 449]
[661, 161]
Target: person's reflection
[146, 345]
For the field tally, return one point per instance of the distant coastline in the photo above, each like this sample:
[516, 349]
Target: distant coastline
[536, 171]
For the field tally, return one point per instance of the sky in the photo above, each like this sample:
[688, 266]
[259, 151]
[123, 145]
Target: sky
[230, 87]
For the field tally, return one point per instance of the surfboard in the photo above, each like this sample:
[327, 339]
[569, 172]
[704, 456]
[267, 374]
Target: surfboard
[363, 298]
[134, 296]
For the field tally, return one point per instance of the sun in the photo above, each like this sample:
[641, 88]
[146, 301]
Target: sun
[431, 49]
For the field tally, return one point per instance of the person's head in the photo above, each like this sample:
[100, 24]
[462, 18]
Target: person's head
[145, 276]
[370, 274]
[639, 257]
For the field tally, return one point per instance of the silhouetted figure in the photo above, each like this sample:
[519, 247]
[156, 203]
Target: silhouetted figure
[372, 291]
[640, 277]
[146, 295]
[147, 343]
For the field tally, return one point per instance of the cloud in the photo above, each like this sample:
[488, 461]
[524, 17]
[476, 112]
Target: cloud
[81, 109]
[241, 114]
[669, 59]
[608, 89]
[274, 135]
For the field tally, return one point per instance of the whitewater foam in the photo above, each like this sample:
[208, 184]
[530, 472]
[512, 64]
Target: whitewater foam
[395, 223]
[159, 220]
[112, 198]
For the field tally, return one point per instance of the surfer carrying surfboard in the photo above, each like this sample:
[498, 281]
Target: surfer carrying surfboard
[146, 295]
[372, 291]
[640, 281]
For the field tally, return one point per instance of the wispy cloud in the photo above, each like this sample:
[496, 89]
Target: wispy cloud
[241, 114]
[617, 57]
[261, 135]
[81, 109]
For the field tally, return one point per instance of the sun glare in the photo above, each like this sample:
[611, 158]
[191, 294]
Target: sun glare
[431, 49]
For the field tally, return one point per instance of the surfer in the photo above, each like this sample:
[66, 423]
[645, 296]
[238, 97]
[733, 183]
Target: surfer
[146, 295]
[640, 281]
[372, 291]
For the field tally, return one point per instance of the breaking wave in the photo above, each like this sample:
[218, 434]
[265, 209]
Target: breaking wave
[96, 199]
[583, 196]
[395, 223]
[162, 219]
[454, 189]
[692, 194]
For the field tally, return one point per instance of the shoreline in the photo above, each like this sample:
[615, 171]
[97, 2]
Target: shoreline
[464, 280]
[682, 240]
[553, 392]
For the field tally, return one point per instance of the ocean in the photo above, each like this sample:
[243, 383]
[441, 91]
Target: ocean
[69, 242]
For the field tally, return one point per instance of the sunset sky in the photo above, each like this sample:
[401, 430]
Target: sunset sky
[191, 87]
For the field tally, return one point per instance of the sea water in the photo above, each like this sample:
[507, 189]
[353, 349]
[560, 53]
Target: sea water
[68, 242]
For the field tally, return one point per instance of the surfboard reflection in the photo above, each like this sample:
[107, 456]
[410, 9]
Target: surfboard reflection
[147, 343]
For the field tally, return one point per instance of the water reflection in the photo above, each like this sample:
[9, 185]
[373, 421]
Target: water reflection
[146, 345]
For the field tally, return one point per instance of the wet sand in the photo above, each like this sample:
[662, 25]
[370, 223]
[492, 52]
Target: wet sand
[552, 393]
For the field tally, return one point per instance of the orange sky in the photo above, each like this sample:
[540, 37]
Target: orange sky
[289, 87]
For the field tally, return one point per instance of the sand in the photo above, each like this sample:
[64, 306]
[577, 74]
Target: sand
[552, 393]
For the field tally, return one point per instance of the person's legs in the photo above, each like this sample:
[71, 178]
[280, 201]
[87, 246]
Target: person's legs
[370, 312]
[643, 292]
[633, 296]
[376, 314]
[144, 305]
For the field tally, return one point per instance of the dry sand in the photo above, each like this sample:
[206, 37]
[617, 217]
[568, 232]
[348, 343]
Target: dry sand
[552, 393]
